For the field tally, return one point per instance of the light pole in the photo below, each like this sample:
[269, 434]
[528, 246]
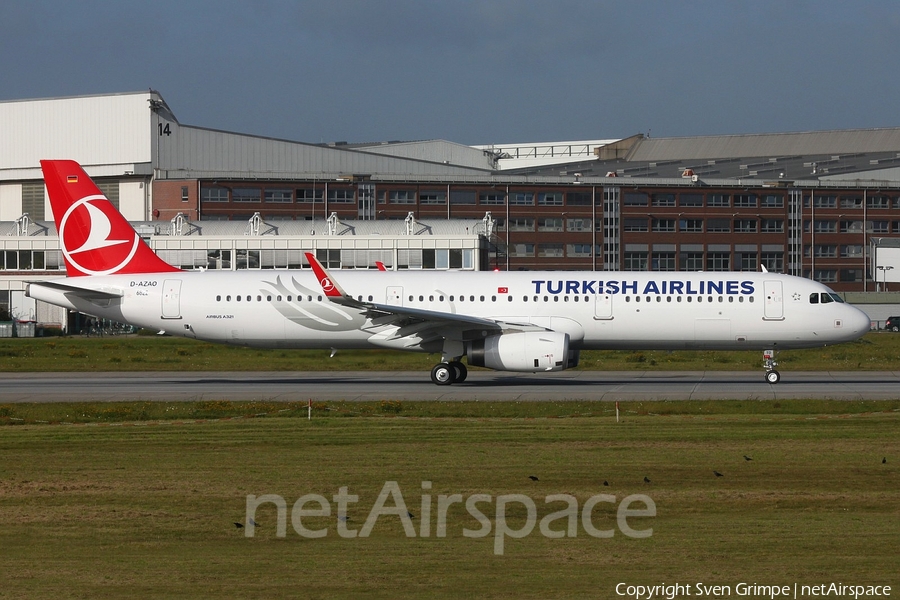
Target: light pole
[884, 269]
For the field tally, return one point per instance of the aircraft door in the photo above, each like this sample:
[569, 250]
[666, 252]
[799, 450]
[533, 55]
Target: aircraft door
[394, 295]
[603, 307]
[774, 307]
[171, 299]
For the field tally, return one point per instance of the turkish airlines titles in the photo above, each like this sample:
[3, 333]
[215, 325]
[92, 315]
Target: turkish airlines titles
[666, 286]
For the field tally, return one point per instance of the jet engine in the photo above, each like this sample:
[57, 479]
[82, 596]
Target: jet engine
[529, 351]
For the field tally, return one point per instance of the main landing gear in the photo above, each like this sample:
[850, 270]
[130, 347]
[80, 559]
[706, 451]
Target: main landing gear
[447, 373]
[772, 376]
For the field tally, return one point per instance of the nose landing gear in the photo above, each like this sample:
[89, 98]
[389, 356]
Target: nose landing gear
[772, 376]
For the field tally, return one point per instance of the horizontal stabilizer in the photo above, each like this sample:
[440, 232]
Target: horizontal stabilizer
[86, 293]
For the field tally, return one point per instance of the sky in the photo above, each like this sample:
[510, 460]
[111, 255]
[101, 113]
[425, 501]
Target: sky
[471, 72]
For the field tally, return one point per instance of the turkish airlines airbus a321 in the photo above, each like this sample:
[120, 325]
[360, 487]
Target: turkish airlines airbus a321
[525, 321]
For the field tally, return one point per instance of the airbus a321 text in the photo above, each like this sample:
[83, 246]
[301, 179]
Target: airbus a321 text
[507, 321]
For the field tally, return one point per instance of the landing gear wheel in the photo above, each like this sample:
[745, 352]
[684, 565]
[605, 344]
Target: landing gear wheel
[443, 374]
[460, 372]
[773, 377]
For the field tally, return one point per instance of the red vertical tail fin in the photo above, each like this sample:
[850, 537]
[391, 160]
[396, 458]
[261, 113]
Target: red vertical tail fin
[94, 237]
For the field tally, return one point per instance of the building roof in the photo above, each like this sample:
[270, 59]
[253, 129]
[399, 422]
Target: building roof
[389, 228]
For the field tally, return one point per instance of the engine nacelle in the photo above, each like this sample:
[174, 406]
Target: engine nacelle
[528, 351]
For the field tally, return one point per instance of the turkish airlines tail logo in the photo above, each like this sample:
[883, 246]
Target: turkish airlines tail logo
[94, 237]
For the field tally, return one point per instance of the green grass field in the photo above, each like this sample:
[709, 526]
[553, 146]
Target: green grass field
[876, 351]
[146, 509]
[132, 499]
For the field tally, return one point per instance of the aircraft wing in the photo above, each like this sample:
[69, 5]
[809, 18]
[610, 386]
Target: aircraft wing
[413, 319]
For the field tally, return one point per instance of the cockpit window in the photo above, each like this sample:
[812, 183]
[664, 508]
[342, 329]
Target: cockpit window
[824, 298]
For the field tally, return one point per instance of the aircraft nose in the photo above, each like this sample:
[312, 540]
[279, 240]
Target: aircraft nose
[857, 322]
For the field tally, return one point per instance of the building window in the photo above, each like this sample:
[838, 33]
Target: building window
[401, 196]
[550, 250]
[279, 196]
[635, 261]
[821, 202]
[521, 250]
[521, 198]
[718, 261]
[851, 201]
[550, 199]
[521, 224]
[822, 251]
[691, 225]
[578, 250]
[851, 251]
[310, 195]
[246, 194]
[850, 275]
[214, 194]
[635, 199]
[852, 226]
[877, 226]
[772, 226]
[690, 199]
[745, 225]
[437, 197]
[745, 200]
[826, 226]
[746, 261]
[772, 201]
[878, 202]
[635, 224]
[664, 261]
[718, 200]
[773, 261]
[184, 193]
[691, 261]
[345, 196]
[578, 224]
[826, 275]
[492, 198]
[663, 225]
[550, 224]
[718, 226]
[461, 197]
[578, 199]
[22, 260]
[662, 199]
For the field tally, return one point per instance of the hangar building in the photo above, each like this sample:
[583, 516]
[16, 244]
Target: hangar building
[813, 204]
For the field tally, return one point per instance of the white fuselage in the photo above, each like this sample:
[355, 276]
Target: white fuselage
[598, 310]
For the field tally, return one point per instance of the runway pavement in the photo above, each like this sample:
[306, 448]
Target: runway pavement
[409, 386]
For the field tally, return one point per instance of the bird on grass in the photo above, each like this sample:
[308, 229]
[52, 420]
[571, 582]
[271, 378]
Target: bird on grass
[747, 457]
[606, 483]
[717, 474]
[410, 515]
[533, 478]
[254, 523]
[884, 460]
[646, 480]
[238, 525]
